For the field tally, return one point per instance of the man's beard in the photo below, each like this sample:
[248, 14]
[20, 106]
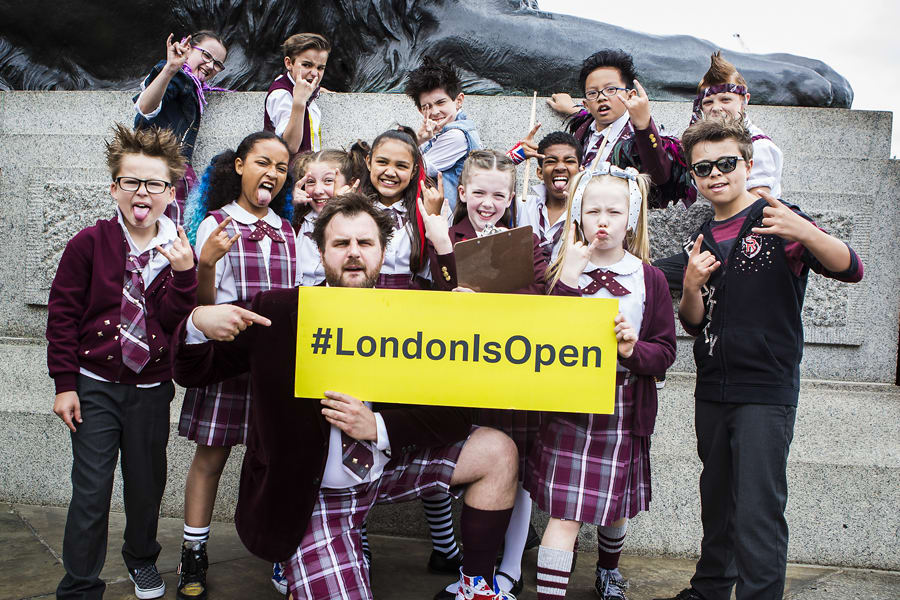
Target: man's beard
[333, 276]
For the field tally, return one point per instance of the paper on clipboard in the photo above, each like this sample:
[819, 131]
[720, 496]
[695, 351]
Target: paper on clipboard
[502, 262]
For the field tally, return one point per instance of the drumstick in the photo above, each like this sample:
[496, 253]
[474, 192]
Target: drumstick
[527, 178]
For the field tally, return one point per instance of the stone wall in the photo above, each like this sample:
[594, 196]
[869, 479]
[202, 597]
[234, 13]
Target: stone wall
[846, 455]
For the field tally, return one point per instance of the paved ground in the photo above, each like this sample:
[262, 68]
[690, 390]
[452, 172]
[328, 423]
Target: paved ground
[31, 543]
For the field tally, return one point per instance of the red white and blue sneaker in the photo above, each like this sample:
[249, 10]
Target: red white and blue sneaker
[279, 581]
[476, 588]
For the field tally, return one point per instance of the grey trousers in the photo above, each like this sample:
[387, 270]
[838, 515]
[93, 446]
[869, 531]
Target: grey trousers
[117, 418]
[743, 494]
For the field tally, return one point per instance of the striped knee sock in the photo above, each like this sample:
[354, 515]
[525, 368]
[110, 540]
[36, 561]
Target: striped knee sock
[196, 535]
[439, 515]
[367, 552]
[609, 545]
[553, 568]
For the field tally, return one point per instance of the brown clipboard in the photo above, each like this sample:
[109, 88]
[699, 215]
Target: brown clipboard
[501, 262]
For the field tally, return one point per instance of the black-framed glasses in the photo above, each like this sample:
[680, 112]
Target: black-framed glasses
[606, 92]
[133, 184]
[726, 164]
[218, 65]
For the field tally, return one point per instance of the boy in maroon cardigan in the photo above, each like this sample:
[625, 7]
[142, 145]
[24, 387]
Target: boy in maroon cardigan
[121, 288]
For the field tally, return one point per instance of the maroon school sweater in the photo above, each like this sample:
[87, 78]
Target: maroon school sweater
[85, 307]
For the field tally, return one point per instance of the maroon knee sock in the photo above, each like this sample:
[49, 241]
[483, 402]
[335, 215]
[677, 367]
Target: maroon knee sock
[482, 534]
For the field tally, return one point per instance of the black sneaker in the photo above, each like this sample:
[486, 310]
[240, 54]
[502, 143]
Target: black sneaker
[610, 584]
[147, 582]
[439, 562]
[192, 571]
[685, 594]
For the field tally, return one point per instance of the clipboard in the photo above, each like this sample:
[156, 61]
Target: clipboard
[501, 262]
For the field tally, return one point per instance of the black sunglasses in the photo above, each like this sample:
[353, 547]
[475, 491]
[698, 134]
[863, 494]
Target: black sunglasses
[726, 164]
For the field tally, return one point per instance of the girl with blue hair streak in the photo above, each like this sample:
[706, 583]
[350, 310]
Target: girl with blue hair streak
[239, 220]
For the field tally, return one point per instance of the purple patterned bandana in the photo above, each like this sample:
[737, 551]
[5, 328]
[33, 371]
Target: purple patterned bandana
[722, 88]
[201, 87]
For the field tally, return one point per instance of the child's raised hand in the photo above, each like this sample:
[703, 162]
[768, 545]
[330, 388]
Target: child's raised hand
[563, 104]
[217, 244]
[348, 189]
[577, 256]
[626, 336]
[638, 104]
[300, 197]
[437, 230]
[700, 266]
[780, 220]
[177, 52]
[68, 408]
[303, 89]
[426, 131]
[180, 255]
[529, 147]
[434, 197]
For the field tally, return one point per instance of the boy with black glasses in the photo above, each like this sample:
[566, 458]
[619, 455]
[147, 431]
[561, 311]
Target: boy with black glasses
[121, 287]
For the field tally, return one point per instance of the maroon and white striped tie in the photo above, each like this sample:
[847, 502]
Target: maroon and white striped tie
[133, 332]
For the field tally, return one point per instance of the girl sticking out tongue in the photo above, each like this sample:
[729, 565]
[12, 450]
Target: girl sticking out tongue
[239, 220]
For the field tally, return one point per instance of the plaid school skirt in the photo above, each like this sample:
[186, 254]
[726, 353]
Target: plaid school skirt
[329, 562]
[589, 468]
[218, 414]
[523, 426]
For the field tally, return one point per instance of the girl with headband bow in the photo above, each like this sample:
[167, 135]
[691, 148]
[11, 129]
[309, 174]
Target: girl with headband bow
[173, 96]
[591, 468]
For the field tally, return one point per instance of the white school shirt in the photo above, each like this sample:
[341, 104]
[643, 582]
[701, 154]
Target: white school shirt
[449, 146]
[279, 104]
[530, 214]
[309, 262]
[166, 233]
[226, 290]
[629, 273]
[396, 255]
[768, 161]
[611, 132]
[335, 476]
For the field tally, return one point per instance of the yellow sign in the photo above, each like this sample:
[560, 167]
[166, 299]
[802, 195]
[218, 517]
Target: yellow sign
[546, 353]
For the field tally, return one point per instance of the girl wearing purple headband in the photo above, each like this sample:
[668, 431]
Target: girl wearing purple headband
[173, 96]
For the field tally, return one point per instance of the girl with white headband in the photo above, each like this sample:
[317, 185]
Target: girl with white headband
[592, 468]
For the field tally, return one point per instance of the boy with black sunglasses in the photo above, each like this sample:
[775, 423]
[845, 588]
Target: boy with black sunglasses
[745, 274]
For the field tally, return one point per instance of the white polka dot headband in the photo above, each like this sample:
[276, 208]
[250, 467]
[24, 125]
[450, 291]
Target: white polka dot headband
[629, 174]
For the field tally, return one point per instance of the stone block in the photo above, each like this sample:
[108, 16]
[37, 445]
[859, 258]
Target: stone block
[53, 179]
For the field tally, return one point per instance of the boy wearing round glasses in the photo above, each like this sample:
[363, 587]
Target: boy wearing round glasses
[173, 96]
[616, 108]
[121, 287]
[744, 278]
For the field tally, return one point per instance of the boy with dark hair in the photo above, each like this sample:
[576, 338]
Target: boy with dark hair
[745, 274]
[446, 136]
[616, 108]
[121, 288]
[559, 157]
[291, 110]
